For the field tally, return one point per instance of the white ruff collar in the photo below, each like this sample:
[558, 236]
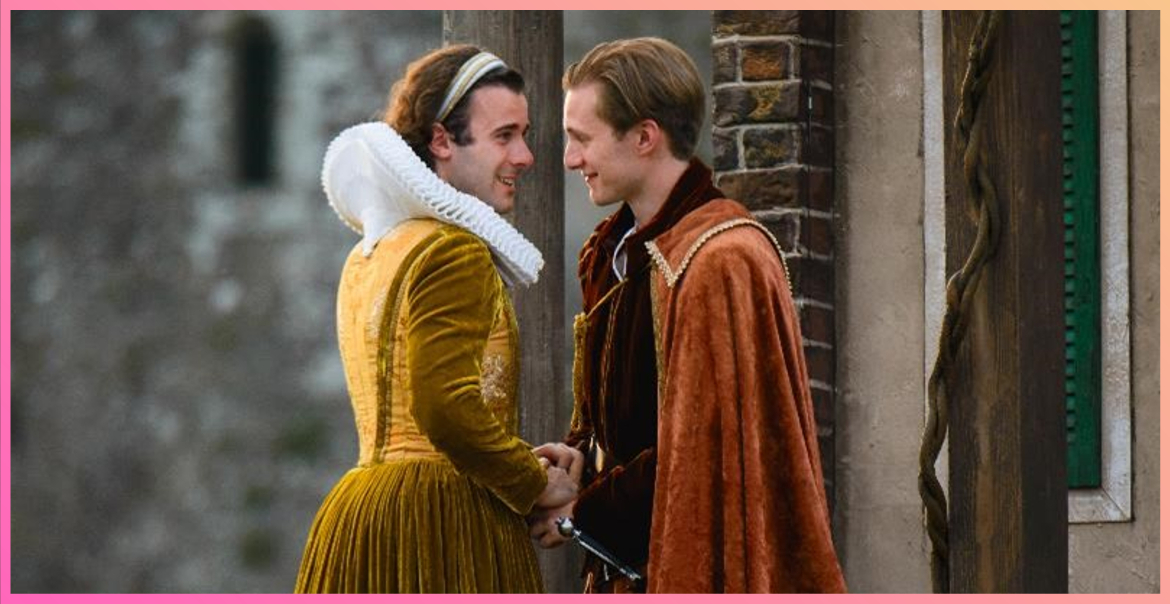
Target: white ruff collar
[374, 181]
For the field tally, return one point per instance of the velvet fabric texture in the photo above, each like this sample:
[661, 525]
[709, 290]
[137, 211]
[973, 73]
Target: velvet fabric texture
[615, 379]
[739, 501]
[429, 342]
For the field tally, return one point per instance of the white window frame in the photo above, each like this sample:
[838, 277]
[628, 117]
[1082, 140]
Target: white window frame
[1112, 502]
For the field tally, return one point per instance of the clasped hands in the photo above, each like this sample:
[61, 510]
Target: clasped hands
[564, 465]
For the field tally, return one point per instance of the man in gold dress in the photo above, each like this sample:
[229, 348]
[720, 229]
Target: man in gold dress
[428, 338]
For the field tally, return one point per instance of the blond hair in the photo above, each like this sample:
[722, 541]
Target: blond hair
[645, 78]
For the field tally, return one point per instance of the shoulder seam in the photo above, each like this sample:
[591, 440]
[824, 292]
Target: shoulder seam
[672, 276]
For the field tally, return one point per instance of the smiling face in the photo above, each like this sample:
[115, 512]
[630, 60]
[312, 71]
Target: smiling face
[489, 165]
[608, 162]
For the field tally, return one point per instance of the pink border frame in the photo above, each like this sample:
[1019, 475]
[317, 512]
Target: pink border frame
[6, 260]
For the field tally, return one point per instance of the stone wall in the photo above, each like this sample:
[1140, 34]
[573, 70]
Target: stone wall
[179, 408]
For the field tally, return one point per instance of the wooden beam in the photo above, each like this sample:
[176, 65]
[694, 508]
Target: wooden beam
[1008, 493]
[532, 43]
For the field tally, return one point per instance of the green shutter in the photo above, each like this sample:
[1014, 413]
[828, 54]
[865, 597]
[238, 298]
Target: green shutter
[1082, 271]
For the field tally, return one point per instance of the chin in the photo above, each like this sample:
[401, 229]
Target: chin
[504, 206]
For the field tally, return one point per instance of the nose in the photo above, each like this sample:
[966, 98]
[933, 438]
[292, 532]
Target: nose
[522, 156]
[572, 157]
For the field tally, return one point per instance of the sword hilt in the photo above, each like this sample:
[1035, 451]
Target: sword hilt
[566, 529]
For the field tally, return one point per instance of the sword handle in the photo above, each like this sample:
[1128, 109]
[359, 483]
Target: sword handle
[565, 527]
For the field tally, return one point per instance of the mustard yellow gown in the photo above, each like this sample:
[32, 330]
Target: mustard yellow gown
[436, 502]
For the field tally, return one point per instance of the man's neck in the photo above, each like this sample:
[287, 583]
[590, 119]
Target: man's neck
[659, 182]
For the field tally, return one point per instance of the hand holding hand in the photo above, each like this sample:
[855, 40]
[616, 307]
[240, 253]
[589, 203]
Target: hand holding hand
[542, 525]
[564, 465]
[562, 456]
[560, 490]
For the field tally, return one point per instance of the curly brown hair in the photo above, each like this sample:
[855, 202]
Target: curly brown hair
[414, 100]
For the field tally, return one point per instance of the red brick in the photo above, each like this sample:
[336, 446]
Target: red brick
[757, 104]
[726, 156]
[820, 190]
[816, 63]
[816, 24]
[816, 234]
[823, 406]
[785, 228]
[818, 148]
[816, 323]
[812, 278]
[820, 363]
[766, 61]
[756, 22]
[763, 190]
[822, 105]
[726, 61]
[825, 442]
[770, 147]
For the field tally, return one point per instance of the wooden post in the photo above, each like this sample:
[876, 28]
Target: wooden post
[1008, 493]
[532, 43]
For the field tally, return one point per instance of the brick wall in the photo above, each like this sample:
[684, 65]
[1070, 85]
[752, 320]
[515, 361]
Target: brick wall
[773, 151]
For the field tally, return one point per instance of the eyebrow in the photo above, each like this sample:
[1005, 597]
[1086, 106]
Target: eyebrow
[507, 127]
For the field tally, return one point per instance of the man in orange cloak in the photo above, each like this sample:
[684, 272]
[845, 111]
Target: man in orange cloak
[691, 391]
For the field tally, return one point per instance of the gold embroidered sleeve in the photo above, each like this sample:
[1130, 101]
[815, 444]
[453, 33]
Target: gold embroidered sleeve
[453, 300]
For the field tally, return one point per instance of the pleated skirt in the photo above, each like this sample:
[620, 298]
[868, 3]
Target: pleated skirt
[416, 526]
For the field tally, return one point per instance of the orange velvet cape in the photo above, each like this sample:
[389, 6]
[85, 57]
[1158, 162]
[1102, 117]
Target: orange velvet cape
[615, 411]
[739, 502]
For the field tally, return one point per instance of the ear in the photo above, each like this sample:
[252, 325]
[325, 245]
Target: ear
[648, 137]
[441, 142]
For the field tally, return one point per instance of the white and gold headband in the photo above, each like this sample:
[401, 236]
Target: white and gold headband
[475, 68]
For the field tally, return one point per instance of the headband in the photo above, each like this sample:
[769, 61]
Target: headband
[475, 68]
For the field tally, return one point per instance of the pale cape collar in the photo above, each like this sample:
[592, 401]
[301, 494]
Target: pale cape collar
[374, 181]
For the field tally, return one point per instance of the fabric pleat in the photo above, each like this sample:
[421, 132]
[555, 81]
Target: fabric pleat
[416, 526]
